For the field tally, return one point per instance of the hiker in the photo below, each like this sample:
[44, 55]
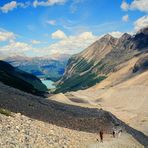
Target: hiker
[114, 133]
[101, 135]
[119, 133]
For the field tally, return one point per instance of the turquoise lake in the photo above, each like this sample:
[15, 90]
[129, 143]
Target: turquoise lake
[48, 83]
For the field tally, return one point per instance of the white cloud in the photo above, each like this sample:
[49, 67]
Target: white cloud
[58, 35]
[35, 42]
[86, 35]
[51, 22]
[48, 2]
[6, 36]
[67, 44]
[12, 5]
[116, 34]
[124, 5]
[71, 44]
[141, 5]
[141, 23]
[125, 18]
[15, 48]
[9, 6]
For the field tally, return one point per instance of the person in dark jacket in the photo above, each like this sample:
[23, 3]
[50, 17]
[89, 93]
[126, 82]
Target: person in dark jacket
[114, 133]
[101, 135]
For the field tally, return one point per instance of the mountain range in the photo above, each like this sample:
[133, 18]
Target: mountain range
[51, 67]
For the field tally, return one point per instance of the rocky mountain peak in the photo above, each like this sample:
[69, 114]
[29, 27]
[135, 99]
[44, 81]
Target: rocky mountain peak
[125, 36]
[107, 37]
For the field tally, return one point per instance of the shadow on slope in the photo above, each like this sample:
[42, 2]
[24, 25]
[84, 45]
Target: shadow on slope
[68, 116]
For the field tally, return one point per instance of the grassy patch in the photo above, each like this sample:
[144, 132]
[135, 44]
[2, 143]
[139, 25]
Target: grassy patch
[79, 82]
[5, 112]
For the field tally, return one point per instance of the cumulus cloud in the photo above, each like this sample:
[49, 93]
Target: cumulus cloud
[71, 44]
[15, 48]
[124, 6]
[141, 5]
[12, 47]
[6, 36]
[141, 23]
[58, 35]
[116, 34]
[51, 22]
[47, 2]
[125, 18]
[9, 6]
[86, 35]
[12, 5]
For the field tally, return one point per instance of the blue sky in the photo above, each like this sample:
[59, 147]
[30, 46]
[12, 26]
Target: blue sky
[44, 27]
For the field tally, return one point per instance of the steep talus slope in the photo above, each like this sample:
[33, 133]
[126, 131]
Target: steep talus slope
[21, 131]
[84, 119]
[53, 124]
[20, 79]
[103, 57]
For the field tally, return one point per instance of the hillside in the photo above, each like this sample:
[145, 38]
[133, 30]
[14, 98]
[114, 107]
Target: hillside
[38, 122]
[95, 63]
[19, 79]
[124, 93]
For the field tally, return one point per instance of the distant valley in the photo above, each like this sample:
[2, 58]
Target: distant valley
[51, 68]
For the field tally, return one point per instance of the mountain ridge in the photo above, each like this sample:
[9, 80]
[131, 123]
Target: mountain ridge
[19, 79]
[101, 58]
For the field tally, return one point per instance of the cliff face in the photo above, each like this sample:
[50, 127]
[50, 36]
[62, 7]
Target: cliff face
[19, 79]
[100, 59]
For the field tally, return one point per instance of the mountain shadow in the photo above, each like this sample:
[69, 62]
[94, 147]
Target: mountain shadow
[21, 80]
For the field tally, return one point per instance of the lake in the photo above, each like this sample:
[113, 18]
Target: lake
[48, 83]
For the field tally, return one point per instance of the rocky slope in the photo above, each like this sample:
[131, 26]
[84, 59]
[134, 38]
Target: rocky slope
[53, 124]
[19, 79]
[21, 131]
[100, 59]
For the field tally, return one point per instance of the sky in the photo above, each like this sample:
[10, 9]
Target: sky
[37, 28]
